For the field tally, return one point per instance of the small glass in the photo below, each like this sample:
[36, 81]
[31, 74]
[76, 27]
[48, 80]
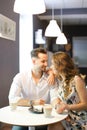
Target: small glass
[13, 104]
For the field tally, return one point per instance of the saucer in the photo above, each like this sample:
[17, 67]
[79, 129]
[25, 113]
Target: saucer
[36, 110]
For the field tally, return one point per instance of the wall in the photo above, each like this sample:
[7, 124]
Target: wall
[9, 53]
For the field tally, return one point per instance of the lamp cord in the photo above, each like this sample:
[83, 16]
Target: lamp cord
[52, 11]
[61, 21]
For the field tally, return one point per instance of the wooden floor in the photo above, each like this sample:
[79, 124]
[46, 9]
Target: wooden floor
[5, 127]
[9, 127]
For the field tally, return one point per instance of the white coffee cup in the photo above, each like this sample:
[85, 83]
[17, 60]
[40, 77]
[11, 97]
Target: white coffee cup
[47, 110]
[13, 104]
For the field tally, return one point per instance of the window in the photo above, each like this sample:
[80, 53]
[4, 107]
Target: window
[80, 51]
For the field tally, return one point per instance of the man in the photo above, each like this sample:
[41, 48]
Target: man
[33, 86]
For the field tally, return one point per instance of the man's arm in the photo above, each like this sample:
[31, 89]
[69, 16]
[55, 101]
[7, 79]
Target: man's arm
[27, 102]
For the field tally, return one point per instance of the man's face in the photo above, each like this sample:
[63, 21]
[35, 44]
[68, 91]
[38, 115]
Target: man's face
[41, 62]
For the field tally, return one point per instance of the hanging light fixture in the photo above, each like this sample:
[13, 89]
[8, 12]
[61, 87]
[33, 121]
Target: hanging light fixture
[29, 6]
[52, 29]
[61, 39]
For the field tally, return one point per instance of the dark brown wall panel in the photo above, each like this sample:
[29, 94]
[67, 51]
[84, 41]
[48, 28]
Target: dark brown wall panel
[9, 53]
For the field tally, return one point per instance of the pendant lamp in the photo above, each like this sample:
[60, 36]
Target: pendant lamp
[61, 39]
[52, 29]
[29, 6]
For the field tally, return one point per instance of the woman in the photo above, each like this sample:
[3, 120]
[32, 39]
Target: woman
[72, 94]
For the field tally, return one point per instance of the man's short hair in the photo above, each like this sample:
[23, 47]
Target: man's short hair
[36, 51]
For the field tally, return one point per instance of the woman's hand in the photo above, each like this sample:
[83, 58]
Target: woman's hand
[61, 107]
[51, 77]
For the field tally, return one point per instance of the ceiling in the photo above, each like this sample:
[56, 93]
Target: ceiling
[74, 12]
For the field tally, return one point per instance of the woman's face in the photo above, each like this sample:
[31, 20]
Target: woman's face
[56, 72]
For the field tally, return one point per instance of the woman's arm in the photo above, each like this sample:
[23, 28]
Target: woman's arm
[51, 76]
[82, 93]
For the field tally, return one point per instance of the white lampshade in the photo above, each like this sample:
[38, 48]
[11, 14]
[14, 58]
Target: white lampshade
[61, 39]
[52, 29]
[29, 6]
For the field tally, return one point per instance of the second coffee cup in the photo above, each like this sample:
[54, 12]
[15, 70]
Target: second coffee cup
[47, 110]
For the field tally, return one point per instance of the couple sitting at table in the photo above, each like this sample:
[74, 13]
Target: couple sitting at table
[38, 85]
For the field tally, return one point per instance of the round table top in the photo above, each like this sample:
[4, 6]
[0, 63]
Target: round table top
[23, 117]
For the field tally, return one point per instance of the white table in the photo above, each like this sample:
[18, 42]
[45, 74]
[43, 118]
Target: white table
[23, 117]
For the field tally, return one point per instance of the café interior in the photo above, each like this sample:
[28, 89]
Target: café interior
[30, 32]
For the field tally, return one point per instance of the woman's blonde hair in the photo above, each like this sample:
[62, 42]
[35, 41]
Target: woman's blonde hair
[64, 65]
